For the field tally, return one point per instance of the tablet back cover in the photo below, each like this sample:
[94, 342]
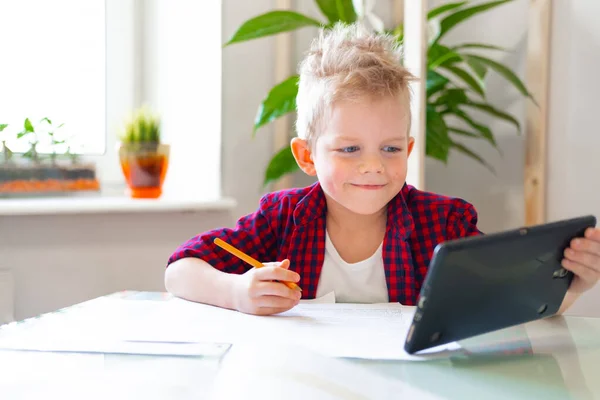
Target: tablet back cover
[480, 284]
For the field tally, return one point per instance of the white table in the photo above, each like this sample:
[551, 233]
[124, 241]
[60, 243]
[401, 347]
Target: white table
[556, 358]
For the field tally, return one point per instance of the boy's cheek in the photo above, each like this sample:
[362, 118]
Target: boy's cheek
[398, 171]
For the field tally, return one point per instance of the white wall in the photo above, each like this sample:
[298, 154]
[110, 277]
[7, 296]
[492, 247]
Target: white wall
[573, 141]
[57, 261]
[247, 78]
[573, 163]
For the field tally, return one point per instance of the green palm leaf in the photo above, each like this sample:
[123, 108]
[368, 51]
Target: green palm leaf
[474, 82]
[486, 133]
[463, 132]
[271, 23]
[459, 16]
[280, 101]
[495, 112]
[504, 71]
[477, 46]
[477, 67]
[281, 164]
[442, 9]
[337, 10]
[435, 82]
[437, 142]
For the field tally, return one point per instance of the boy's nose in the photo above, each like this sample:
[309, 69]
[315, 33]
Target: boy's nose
[372, 164]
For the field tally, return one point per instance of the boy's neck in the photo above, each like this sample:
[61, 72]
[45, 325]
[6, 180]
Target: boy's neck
[343, 219]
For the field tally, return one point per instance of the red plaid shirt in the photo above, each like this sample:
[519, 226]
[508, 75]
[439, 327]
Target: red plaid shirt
[291, 224]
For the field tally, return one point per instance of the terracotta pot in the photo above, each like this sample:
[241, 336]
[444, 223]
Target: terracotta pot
[144, 166]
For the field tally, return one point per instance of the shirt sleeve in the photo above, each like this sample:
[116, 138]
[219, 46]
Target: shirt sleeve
[462, 222]
[252, 234]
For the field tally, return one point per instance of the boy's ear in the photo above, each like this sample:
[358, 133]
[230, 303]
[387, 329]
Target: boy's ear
[302, 154]
[411, 144]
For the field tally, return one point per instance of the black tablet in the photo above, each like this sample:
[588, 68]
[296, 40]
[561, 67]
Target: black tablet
[484, 283]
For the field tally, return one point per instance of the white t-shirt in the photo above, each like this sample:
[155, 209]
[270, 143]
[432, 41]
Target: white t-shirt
[360, 282]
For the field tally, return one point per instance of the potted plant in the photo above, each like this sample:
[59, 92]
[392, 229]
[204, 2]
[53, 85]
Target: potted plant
[144, 159]
[455, 76]
[32, 173]
[6, 152]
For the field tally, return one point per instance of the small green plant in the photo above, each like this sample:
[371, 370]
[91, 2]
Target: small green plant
[34, 133]
[30, 132]
[6, 152]
[45, 131]
[73, 156]
[143, 127]
[54, 142]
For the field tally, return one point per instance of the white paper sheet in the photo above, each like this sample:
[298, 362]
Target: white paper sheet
[98, 345]
[370, 331]
[328, 298]
[96, 327]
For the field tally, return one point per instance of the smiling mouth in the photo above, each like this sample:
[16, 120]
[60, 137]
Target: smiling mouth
[368, 187]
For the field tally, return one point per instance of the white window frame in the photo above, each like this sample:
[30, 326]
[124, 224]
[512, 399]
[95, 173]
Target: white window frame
[158, 50]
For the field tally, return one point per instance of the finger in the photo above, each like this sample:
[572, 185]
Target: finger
[589, 275]
[277, 289]
[586, 244]
[276, 273]
[582, 257]
[285, 264]
[275, 302]
[593, 234]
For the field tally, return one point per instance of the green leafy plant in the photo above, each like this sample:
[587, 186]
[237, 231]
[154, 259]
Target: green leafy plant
[143, 127]
[47, 132]
[6, 152]
[455, 84]
[55, 143]
[29, 131]
[73, 156]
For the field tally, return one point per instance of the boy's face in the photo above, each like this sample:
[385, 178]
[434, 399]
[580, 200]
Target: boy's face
[360, 158]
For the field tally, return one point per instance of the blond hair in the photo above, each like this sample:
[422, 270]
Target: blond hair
[347, 62]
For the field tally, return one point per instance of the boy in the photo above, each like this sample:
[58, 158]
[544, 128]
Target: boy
[360, 231]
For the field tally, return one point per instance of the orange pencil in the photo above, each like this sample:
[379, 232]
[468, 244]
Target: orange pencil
[245, 257]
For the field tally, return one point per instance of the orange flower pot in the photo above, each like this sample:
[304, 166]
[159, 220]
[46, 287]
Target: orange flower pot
[144, 166]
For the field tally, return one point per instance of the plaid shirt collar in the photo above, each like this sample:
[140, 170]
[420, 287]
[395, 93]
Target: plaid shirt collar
[314, 206]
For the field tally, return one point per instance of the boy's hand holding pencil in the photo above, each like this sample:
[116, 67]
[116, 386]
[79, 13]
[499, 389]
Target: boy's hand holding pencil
[268, 288]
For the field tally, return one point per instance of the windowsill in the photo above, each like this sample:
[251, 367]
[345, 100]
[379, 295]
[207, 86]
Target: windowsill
[101, 204]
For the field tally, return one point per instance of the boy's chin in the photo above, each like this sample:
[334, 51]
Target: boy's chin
[366, 209]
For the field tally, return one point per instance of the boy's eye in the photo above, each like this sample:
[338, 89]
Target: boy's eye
[349, 149]
[391, 149]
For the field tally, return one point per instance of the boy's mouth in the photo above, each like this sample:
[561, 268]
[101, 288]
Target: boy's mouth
[368, 186]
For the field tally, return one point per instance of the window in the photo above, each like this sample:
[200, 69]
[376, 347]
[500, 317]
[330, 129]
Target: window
[53, 58]
[89, 63]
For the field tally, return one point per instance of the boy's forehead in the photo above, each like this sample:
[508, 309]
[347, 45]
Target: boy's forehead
[350, 118]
